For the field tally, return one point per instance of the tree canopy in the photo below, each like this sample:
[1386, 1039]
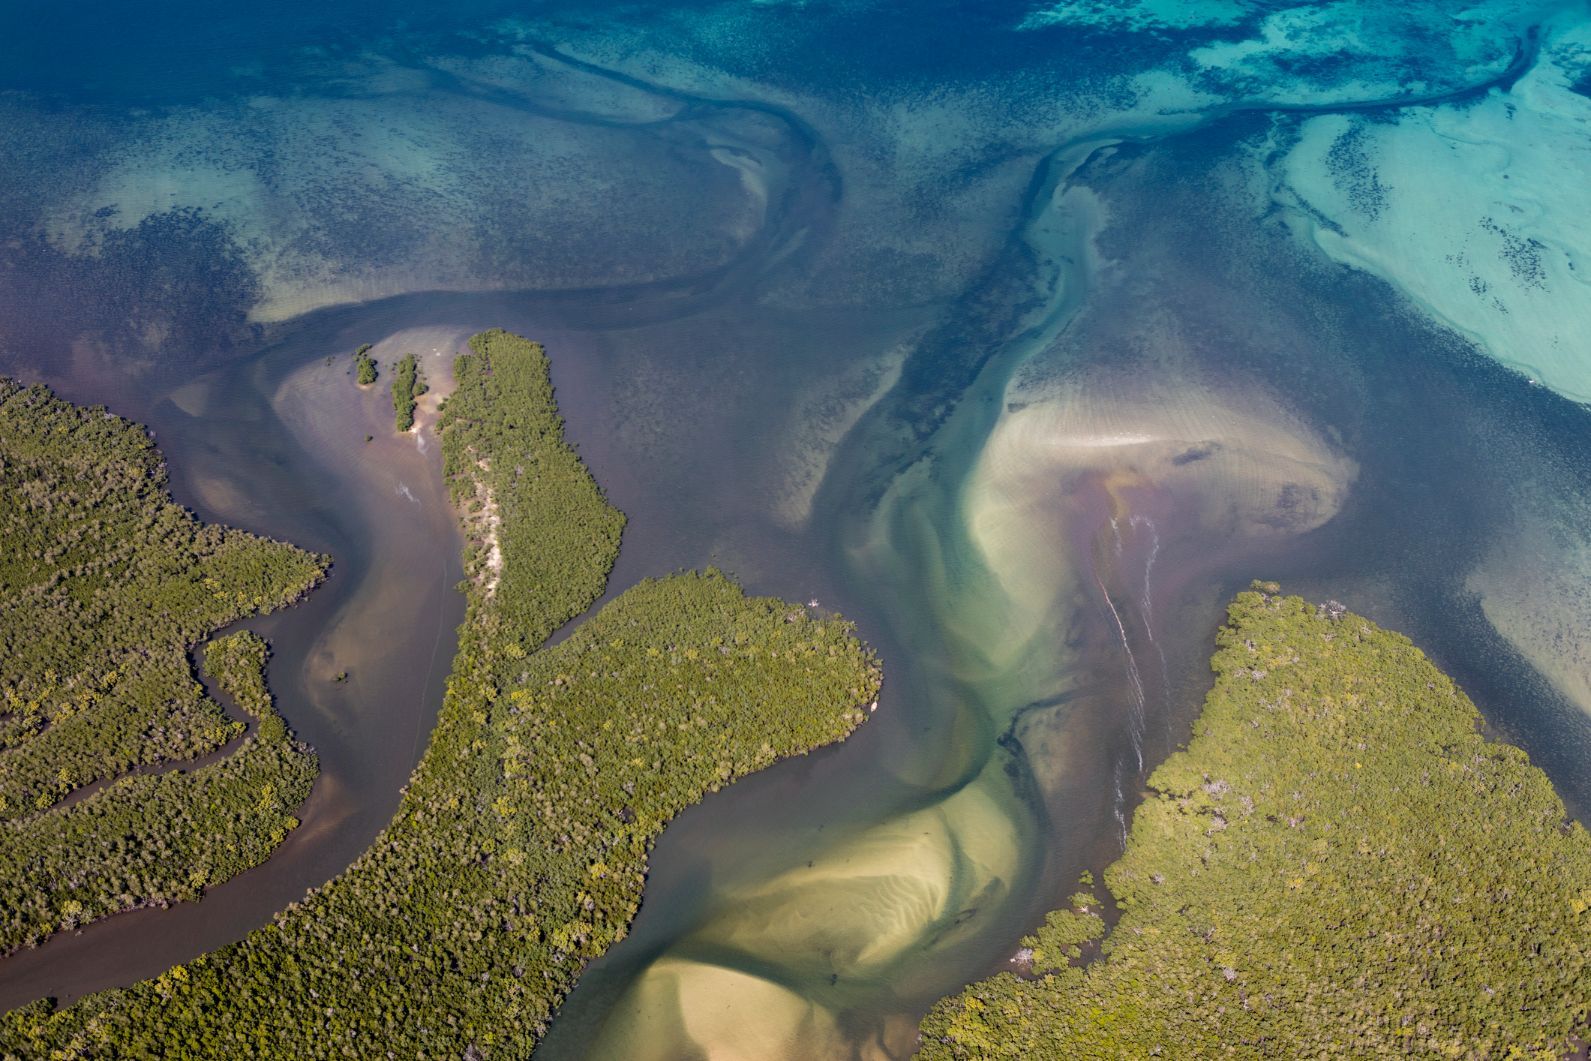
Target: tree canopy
[1339, 865]
[105, 585]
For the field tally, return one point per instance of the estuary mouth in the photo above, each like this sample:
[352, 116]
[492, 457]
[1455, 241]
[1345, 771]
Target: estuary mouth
[1023, 334]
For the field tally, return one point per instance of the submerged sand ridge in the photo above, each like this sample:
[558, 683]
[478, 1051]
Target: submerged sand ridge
[1089, 503]
[1028, 553]
[1240, 466]
[1070, 468]
[1093, 502]
[850, 919]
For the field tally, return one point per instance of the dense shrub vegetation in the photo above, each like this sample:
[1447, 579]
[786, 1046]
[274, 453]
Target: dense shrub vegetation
[1339, 865]
[407, 385]
[364, 366]
[519, 850]
[160, 838]
[104, 585]
[524, 491]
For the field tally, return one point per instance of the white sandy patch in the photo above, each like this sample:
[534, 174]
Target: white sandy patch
[723, 1014]
[193, 398]
[1470, 211]
[1248, 468]
[486, 524]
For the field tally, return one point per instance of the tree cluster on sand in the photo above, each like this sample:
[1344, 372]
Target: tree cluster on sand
[407, 385]
[364, 366]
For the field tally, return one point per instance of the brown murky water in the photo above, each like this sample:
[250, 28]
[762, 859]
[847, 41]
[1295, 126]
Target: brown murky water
[277, 445]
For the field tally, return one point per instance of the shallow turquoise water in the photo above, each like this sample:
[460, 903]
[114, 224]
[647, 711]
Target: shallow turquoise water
[1023, 333]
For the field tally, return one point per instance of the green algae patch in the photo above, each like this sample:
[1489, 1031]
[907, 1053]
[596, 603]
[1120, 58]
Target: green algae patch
[1339, 864]
[519, 851]
[105, 583]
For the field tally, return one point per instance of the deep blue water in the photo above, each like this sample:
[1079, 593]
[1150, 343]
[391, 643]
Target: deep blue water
[1023, 335]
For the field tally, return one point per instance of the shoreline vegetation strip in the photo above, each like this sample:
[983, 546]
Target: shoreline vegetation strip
[156, 839]
[105, 583]
[1339, 864]
[519, 851]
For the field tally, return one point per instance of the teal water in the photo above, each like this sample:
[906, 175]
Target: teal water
[1022, 333]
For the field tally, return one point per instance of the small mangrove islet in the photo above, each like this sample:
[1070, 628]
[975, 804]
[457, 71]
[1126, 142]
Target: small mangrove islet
[407, 385]
[1339, 864]
[364, 366]
[105, 585]
[519, 850]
